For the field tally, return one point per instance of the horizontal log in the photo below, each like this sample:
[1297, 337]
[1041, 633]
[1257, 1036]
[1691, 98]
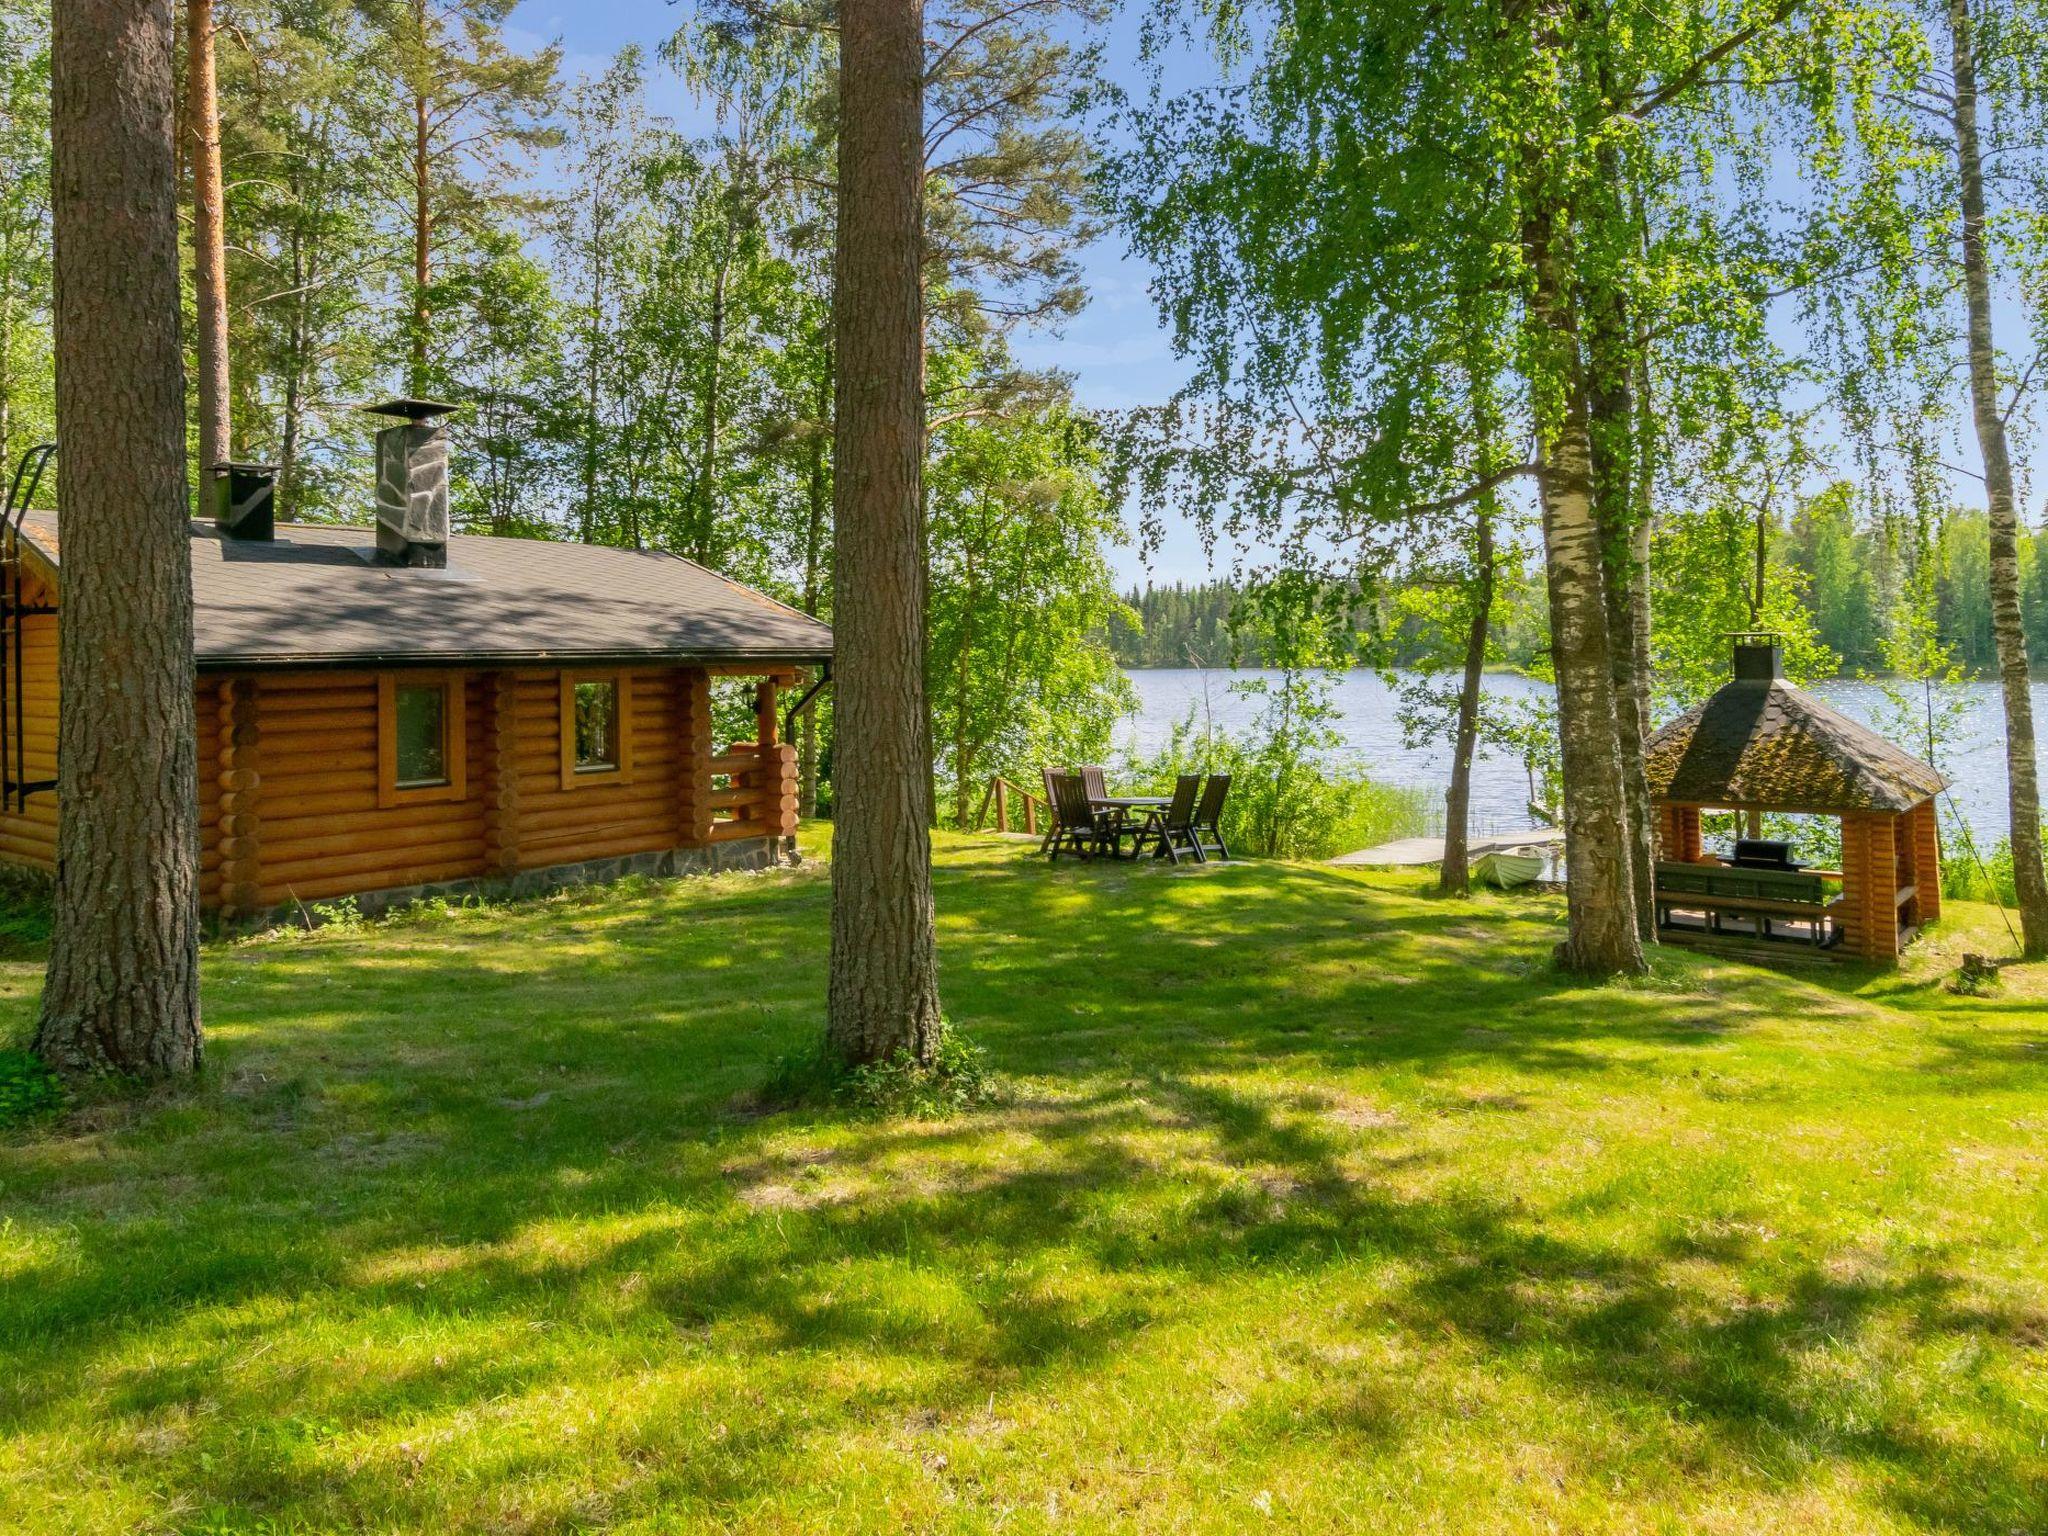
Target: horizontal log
[733, 831]
[346, 790]
[391, 866]
[726, 799]
[354, 732]
[317, 886]
[388, 824]
[542, 855]
[661, 815]
[316, 708]
[309, 752]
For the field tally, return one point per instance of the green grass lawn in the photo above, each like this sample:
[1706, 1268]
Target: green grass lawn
[1318, 1204]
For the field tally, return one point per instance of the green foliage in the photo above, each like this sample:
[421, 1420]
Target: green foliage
[29, 1091]
[24, 912]
[1971, 873]
[1704, 569]
[1020, 598]
[958, 1080]
[27, 378]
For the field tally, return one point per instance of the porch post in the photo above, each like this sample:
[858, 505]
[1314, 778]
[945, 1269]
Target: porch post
[694, 752]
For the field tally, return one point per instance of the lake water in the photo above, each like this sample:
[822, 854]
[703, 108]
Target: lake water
[1975, 761]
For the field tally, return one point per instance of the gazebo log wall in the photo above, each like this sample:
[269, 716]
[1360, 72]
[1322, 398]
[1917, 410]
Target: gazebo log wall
[1678, 834]
[1921, 840]
[1870, 885]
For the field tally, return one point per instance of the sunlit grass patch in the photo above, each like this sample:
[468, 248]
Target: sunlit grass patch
[1312, 1200]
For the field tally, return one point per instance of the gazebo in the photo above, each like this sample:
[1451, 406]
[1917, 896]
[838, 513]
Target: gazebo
[1760, 744]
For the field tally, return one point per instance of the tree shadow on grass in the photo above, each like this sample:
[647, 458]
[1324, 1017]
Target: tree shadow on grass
[558, 1160]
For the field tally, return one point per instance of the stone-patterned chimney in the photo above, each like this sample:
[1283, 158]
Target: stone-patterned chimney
[412, 483]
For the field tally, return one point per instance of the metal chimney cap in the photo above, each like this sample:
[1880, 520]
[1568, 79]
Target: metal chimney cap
[1759, 655]
[407, 409]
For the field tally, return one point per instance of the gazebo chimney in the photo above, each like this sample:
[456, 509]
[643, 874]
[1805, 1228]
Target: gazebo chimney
[1759, 656]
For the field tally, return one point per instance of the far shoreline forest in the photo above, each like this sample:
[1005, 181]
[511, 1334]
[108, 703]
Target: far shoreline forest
[1844, 585]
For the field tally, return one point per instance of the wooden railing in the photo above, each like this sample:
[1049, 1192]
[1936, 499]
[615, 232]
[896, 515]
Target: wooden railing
[758, 798]
[1001, 792]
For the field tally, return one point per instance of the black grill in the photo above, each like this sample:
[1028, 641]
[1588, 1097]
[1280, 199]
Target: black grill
[1763, 853]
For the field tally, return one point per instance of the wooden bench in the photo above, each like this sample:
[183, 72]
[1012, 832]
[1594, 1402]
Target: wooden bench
[1717, 891]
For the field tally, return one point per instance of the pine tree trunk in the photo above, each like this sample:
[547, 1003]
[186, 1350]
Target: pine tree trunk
[1603, 938]
[209, 250]
[2021, 764]
[884, 996]
[422, 213]
[122, 992]
[1456, 876]
[814, 542]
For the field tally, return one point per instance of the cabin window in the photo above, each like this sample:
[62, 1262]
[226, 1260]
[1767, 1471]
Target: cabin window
[420, 738]
[597, 726]
[597, 741]
[422, 719]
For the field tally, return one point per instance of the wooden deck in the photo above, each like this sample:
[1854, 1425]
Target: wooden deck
[1430, 850]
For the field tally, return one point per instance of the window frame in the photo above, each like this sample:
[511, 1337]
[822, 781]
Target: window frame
[565, 729]
[454, 739]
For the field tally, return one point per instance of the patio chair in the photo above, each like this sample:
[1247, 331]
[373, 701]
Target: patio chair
[1207, 824]
[1172, 827]
[1052, 813]
[1076, 827]
[1114, 822]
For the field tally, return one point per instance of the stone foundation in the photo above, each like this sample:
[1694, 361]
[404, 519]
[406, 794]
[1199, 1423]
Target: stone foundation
[716, 858]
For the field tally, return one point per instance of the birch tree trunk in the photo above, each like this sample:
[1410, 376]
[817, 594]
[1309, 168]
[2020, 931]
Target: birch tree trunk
[209, 250]
[122, 992]
[1455, 878]
[1603, 938]
[1611, 411]
[883, 989]
[2021, 763]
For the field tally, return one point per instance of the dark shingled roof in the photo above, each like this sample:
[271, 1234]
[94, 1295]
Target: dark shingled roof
[316, 597]
[1768, 745]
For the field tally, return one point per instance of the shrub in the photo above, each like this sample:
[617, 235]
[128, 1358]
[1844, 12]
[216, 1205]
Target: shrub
[24, 913]
[1290, 798]
[28, 1090]
[1970, 873]
[959, 1079]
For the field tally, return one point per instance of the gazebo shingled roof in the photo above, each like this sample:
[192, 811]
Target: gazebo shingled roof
[1760, 743]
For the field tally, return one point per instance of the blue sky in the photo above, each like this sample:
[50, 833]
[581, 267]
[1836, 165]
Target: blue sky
[1116, 349]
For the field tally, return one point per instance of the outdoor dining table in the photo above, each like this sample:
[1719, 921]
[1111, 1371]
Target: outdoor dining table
[1124, 805]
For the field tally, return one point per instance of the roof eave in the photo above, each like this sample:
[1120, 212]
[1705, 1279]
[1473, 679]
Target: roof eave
[363, 660]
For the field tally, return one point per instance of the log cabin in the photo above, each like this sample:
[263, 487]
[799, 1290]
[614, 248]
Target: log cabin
[395, 712]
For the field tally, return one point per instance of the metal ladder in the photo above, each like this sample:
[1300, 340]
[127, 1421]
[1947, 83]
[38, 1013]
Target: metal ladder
[15, 784]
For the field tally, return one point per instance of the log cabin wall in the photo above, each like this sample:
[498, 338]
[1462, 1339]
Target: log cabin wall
[289, 798]
[29, 836]
[320, 831]
[633, 812]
